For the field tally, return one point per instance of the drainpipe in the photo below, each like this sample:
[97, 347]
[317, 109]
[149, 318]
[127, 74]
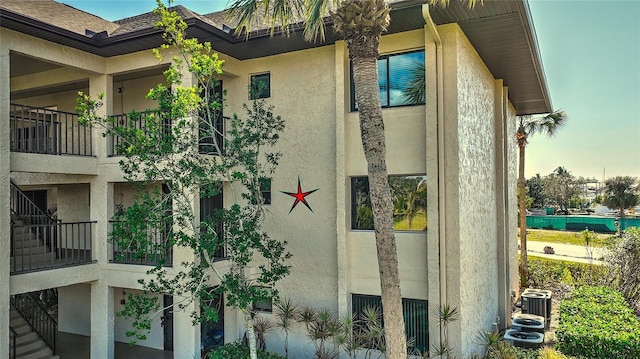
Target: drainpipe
[442, 253]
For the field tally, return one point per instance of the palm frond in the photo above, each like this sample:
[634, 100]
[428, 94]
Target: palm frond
[276, 14]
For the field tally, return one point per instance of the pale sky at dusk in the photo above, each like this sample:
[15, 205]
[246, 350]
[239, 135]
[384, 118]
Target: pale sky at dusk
[591, 56]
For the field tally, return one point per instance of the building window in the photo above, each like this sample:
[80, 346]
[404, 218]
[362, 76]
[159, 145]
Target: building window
[265, 189]
[401, 78]
[416, 320]
[260, 86]
[265, 305]
[409, 194]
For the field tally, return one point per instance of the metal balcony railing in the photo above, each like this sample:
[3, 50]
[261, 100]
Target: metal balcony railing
[36, 247]
[128, 122]
[45, 131]
[155, 251]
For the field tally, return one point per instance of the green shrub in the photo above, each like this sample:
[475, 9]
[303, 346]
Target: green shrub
[238, 350]
[597, 323]
[623, 257]
[549, 273]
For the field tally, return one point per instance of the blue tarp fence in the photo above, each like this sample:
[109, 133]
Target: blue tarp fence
[579, 223]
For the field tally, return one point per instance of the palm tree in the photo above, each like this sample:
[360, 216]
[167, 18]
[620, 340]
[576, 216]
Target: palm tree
[528, 126]
[361, 24]
[621, 193]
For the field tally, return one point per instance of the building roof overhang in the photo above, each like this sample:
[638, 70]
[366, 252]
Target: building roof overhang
[502, 33]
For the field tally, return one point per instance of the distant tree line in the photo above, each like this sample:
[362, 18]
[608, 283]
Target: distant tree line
[561, 190]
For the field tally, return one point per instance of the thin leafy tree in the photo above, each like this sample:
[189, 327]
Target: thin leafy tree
[164, 148]
[621, 193]
[527, 127]
[361, 23]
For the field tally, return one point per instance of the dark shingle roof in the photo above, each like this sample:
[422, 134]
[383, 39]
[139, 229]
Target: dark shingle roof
[61, 15]
[149, 19]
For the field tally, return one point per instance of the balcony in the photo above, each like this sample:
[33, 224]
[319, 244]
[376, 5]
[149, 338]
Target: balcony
[47, 131]
[152, 124]
[36, 247]
[153, 250]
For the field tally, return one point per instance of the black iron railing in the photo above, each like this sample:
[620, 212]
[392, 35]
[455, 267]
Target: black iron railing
[152, 250]
[162, 126]
[12, 343]
[27, 211]
[129, 122]
[38, 318]
[41, 130]
[65, 244]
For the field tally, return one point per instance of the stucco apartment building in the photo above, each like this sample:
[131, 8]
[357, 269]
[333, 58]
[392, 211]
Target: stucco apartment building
[61, 181]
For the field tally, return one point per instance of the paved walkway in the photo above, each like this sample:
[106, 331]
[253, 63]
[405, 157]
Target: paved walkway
[567, 252]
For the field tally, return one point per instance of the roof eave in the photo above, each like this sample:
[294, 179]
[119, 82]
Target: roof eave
[535, 55]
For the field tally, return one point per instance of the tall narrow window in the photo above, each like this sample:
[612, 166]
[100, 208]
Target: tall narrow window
[401, 78]
[211, 128]
[260, 86]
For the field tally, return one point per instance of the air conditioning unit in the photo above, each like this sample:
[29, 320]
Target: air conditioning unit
[528, 323]
[548, 295]
[535, 303]
[530, 340]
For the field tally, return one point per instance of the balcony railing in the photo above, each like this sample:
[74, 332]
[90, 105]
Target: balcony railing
[139, 122]
[37, 247]
[45, 131]
[156, 250]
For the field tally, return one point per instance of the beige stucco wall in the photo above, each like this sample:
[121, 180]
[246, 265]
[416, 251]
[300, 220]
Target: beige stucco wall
[512, 205]
[5, 213]
[470, 192]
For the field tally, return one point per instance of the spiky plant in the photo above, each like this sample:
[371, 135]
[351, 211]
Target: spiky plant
[286, 314]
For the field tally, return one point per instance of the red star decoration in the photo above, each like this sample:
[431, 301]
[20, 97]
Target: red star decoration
[299, 196]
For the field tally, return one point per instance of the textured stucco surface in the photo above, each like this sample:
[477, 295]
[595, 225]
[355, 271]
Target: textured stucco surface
[478, 280]
[512, 201]
[5, 229]
[470, 190]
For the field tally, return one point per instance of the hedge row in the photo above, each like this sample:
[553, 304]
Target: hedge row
[596, 322]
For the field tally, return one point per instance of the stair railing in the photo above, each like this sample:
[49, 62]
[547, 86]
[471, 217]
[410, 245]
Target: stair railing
[12, 337]
[38, 318]
[31, 214]
[24, 208]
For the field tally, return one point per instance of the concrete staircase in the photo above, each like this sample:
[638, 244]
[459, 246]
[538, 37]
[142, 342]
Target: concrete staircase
[29, 251]
[28, 344]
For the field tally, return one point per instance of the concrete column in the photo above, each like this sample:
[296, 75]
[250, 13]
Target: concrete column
[5, 210]
[102, 339]
[101, 84]
[501, 175]
[186, 336]
[101, 211]
[342, 250]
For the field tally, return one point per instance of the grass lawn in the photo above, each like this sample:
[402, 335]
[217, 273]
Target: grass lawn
[418, 223]
[565, 237]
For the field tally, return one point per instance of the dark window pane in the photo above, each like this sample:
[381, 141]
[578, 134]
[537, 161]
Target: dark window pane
[265, 189]
[383, 82]
[260, 86]
[401, 79]
[409, 203]
[405, 71]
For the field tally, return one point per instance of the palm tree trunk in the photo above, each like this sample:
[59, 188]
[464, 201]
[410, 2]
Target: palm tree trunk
[524, 268]
[365, 77]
